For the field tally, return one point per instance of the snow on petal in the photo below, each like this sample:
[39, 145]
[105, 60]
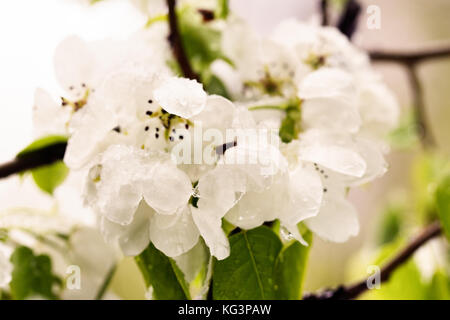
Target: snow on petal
[180, 96]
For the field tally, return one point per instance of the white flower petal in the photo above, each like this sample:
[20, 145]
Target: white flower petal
[182, 97]
[331, 113]
[74, 62]
[5, 269]
[132, 238]
[327, 82]
[167, 189]
[305, 195]
[210, 227]
[176, 239]
[337, 220]
[332, 150]
[48, 116]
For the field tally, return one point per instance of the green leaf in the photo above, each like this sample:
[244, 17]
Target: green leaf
[443, 204]
[51, 176]
[161, 273]
[290, 269]
[200, 41]
[248, 272]
[290, 126]
[390, 225]
[42, 143]
[213, 85]
[222, 9]
[32, 275]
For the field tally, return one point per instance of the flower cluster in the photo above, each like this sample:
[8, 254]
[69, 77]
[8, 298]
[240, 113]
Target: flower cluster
[306, 124]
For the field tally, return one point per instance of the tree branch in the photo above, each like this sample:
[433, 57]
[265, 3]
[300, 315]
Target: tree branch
[410, 60]
[34, 159]
[349, 18]
[411, 57]
[324, 12]
[353, 291]
[422, 128]
[177, 44]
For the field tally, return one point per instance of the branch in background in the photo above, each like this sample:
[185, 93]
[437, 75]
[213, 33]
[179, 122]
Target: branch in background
[423, 131]
[411, 57]
[353, 291]
[324, 12]
[410, 60]
[34, 159]
[349, 18]
[177, 44]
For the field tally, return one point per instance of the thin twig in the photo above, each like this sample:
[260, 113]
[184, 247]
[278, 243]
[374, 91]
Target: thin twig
[349, 18]
[423, 130]
[34, 159]
[177, 44]
[410, 60]
[101, 292]
[324, 12]
[411, 57]
[353, 291]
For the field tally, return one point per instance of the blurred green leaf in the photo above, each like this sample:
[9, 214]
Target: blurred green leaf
[405, 282]
[390, 226]
[443, 204]
[222, 9]
[405, 135]
[47, 178]
[201, 41]
[290, 125]
[32, 275]
[290, 269]
[213, 85]
[248, 273]
[162, 274]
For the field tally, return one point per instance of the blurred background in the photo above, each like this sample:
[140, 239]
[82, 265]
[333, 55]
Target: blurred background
[31, 29]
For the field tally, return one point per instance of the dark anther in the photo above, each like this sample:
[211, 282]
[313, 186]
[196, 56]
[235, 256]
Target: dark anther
[207, 15]
[181, 137]
[157, 129]
[156, 135]
[220, 150]
[150, 101]
[117, 129]
[148, 112]
[171, 138]
[186, 126]
[83, 85]
[324, 189]
[163, 111]
[146, 128]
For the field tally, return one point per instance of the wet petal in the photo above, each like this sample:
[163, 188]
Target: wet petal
[182, 97]
[210, 227]
[132, 238]
[332, 150]
[167, 189]
[337, 220]
[177, 238]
